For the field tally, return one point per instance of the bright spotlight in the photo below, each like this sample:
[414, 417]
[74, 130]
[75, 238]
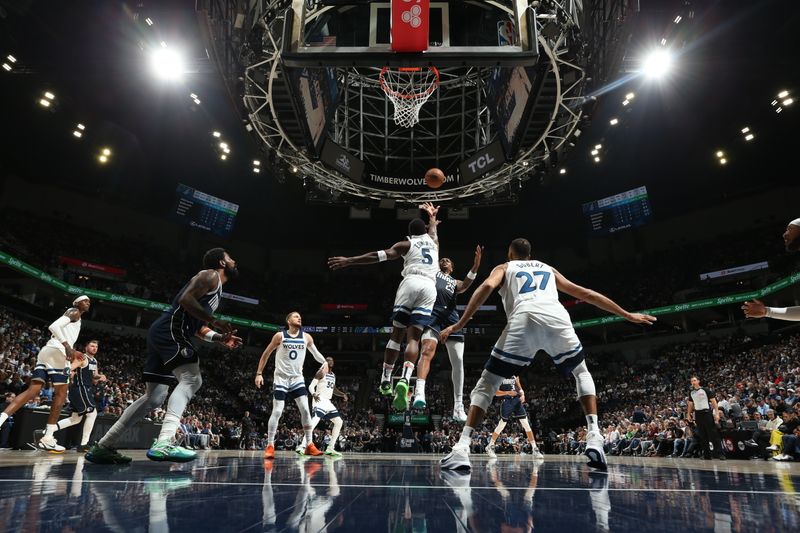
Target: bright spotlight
[7, 67]
[614, 121]
[595, 152]
[745, 129]
[103, 159]
[657, 64]
[783, 94]
[223, 157]
[14, 60]
[720, 153]
[81, 127]
[295, 170]
[723, 161]
[562, 171]
[106, 152]
[256, 163]
[788, 101]
[217, 134]
[256, 170]
[597, 159]
[598, 146]
[226, 150]
[49, 95]
[77, 134]
[44, 102]
[630, 96]
[749, 137]
[149, 21]
[168, 64]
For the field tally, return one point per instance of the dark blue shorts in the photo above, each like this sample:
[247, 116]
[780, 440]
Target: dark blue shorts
[512, 408]
[164, 355]
[322, 415]
[81, 399]
[439, 322]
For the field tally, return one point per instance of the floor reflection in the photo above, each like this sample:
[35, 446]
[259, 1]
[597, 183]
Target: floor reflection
[370, 494]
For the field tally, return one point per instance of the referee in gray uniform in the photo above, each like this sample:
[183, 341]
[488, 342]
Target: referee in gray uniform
[702, 408]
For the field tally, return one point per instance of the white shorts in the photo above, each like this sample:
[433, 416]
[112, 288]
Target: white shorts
[288, 386]
[414, 301]
[51, 363]
[526, 333]
[325, 409]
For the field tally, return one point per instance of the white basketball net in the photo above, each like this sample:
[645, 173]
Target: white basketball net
[408, 89]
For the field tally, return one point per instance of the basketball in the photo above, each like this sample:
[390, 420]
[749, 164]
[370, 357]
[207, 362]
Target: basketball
[434, 178]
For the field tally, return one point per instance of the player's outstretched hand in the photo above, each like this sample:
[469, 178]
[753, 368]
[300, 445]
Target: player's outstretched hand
[338, 263]
[641, 318]
[259, 381]
[478, 255]
[754, 309]
[230, 340]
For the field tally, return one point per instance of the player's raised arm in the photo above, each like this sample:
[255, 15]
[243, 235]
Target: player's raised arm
[202, 283]
[271, 347]
[598, 300]
[433, 222]
[478, 298]
[397, 251]
[57, 329]
[466, 283]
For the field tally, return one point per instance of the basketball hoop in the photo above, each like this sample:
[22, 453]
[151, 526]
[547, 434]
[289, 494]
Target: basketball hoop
[408, 88]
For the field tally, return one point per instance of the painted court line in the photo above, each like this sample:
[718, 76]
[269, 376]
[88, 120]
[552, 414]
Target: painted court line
[429, 487]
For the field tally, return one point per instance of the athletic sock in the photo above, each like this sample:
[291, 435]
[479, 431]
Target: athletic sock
[388, 370]
[466, 437]
[408, 370]
[419, 388]
[309, 436]
[591, 422]
[51, 429]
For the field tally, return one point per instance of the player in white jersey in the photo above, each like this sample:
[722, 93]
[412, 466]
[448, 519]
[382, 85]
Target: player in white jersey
[536, 321]
[756, 308]
[53, 362]
[323, 389]
[415, 297]
[290, 346]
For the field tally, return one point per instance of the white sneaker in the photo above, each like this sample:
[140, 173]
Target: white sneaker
[50, 444]
[594, 451]
[537, 454]
[773, 448]
[419, 401]
[458, 413]
[458, 459]
[782, 457]
[490, 451]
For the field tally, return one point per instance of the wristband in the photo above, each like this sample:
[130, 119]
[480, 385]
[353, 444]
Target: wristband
[472, 275]
[382, 256]
[259, 373]
[209, 336]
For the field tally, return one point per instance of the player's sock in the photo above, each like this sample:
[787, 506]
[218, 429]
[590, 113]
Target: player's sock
[3, 418]
[51, 428]
[455, 351]
[419, 388]
[591, 423]
[305, 417]
[154, 397]
[274, 418]
[88, 426]
[408, 370]
[337, 428]
[388, 370]
[75, 418]
[466, 437]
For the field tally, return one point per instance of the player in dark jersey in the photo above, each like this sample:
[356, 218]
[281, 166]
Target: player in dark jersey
[445, 314]
[85, 374]
[171, 355]
[512, 405]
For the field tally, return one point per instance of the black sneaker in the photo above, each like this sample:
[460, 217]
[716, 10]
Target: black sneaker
[83, 448]
[106, 456]
[751, 443]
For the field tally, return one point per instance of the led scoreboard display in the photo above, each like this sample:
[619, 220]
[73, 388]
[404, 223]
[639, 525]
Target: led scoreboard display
[203, 211]
[625, 210]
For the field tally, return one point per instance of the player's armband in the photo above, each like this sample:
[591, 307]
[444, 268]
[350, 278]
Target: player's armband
[382, 256]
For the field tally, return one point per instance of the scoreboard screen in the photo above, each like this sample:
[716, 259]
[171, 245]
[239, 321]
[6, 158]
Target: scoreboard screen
[625, 210]
[205, 212]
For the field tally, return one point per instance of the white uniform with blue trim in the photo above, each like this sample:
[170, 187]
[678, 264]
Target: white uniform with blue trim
[536, 319]
[51, 361]
[324, 407]
[289, 359]
[416, 294]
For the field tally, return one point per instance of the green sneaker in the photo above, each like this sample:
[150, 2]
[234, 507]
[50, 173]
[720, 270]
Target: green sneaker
[419, 403]
[106, 456]
[401, 395]
[164, 450]
[386, 388]
[332, 453]
[300, 450]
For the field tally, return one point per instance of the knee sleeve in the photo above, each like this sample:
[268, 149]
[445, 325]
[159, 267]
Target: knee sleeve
[500, 427]
[455, 350]
[393, 345]
[584, 384]
[189, 375]
[277, 408]
[156, 393]
[525, 425]
[484, 391]
[302, 406]
[337, 423]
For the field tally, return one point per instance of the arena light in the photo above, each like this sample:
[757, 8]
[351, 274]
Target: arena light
[256, 170]
[217, 134]
[597, 159]
[149, 21]
[663, 42]
[167, 64]
[723, 161]
[562, 171]
[256, 163]
[7, 67]
[745, 129]
[11, 58]
[226, 150]
[788, 101]
[81, 127]
[657, 64]
[749, 137]
[595, 152]
[598, 146]
[720, 153]
[103, 159]
[614, 121]
[626, 102]
[49, 95]
[106, 152]
[223, 157]
[295, 170]
[630, 96]
[678, 19]
[44, 102]
[77, 134]
[782, 94]
[223, 145]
